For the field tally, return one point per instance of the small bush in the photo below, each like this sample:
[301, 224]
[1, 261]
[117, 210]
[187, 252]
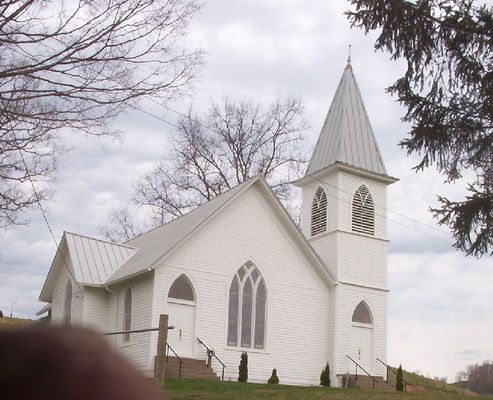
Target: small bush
[273, 378]
[325, 376]
[399, 382]
[243, 368]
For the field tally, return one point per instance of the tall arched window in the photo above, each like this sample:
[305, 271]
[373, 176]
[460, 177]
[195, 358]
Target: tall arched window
[67, 303]
[247, 305]
[362, 314]
[363, 220]
[127, 317]
[319, 212]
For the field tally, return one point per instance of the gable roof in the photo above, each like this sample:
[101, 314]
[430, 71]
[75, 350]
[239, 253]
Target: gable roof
[158, 242]
[92, 260]
[347, 136]
[101, 263]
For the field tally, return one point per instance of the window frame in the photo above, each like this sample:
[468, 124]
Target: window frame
[127, 314]
[241, 281]
[363, 211]
[319, 211]
[67, 303]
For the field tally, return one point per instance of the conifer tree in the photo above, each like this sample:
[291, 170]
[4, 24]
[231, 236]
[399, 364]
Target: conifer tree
[399, 382]
[325, 376]
[273, 378]
[447, 91]
[243, 368]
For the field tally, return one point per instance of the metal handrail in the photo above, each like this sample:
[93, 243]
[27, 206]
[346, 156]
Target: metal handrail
[364, 370]
[168, 348]
[395, 372]
[210, 354]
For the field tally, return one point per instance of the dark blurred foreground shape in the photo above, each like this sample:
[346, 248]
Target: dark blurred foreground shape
[50, 363]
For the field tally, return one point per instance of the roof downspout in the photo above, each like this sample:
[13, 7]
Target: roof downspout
[116, 311]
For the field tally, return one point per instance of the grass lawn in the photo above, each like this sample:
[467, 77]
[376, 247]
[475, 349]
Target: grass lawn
[185, 389]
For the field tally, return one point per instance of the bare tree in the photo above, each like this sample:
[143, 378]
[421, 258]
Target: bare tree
[77, 65]
[230, 144]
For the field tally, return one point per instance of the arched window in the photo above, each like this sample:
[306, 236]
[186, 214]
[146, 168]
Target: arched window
[319, 212]
[247, 305]
[127, 317]
[181, 289]
[67, 303]
[362, 314]
[363, 211]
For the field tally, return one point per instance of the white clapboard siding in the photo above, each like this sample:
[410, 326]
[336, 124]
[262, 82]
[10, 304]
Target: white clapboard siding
[348, 297]
[58, 298]
[137, 349]
[298, 312]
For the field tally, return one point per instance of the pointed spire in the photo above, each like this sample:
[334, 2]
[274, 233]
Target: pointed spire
[347, 136]
[349, 57]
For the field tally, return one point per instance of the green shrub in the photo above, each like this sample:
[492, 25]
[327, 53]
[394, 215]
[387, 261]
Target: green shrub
[273, 378]
[325, 376]
[399, 382]
[243, 368]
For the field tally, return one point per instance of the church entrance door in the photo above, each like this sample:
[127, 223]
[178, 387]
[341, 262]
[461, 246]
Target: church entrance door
[362, 347]
[182, 337]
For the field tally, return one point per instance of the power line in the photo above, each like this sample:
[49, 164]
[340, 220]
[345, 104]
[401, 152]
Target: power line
[414, 220]
[45, 218]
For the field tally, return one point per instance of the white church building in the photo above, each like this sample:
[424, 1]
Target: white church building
[238, 274]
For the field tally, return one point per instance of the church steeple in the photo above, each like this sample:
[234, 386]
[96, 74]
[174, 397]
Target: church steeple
[347, 137]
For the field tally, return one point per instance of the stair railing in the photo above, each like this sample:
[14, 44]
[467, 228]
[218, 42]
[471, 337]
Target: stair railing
[364, 370]
[211, 353]
[168, 348]
[395, 373]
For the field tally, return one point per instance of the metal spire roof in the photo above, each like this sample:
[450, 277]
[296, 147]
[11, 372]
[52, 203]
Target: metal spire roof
[347, 136]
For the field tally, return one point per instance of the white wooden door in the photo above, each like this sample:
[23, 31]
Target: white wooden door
[361, 349]
[182, 337]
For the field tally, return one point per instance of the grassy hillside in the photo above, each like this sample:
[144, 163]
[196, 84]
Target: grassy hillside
[421, 383]
[7, 322]
[184, 389]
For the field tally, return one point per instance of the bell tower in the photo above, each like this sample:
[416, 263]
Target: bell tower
[344, 215]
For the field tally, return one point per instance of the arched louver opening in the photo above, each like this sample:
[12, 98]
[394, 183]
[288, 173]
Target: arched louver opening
[319, 212]
[127, 317]
[362, 314]
[67, 304]
[247, 308]
[363, 220]
[181, 289]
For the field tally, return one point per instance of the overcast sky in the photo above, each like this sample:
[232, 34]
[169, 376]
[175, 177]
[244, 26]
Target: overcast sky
[440, 317]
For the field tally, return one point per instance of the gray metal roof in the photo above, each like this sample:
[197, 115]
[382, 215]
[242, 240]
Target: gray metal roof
[347, 136]
[94, 260]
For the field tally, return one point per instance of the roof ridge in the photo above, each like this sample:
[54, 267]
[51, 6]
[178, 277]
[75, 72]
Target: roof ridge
[101, 240]
[192, 210]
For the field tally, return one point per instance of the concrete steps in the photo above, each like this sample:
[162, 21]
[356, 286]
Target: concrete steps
[190, 369]
[364, 382]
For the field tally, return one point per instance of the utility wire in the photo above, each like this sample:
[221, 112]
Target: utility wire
[320, 181]
[45, 218]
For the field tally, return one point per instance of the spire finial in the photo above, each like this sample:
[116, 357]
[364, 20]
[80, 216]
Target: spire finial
[349, 56]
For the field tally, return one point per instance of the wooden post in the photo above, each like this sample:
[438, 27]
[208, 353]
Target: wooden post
[160, 360]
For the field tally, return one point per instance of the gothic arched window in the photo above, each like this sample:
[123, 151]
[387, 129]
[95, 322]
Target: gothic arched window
[67, 303]
[363, 218]
[181, 289]
[319, 212]
[247, 308]
[127, 317]
[362, 314]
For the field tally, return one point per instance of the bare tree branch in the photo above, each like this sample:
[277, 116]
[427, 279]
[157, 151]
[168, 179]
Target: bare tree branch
[77, 65]
[230, 144]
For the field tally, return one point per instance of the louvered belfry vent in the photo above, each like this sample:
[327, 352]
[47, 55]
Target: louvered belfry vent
[319, 212]
[363, 220]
